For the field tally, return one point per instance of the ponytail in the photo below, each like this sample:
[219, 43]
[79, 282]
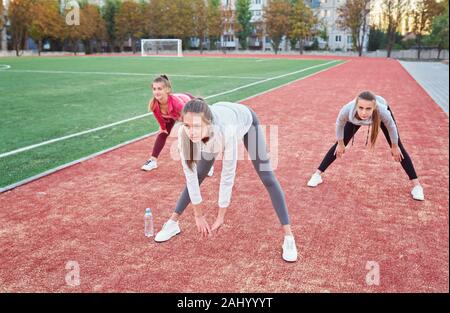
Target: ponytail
[376, 122]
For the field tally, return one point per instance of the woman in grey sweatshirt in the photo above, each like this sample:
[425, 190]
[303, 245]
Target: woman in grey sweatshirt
[374, 112]
[206, 133]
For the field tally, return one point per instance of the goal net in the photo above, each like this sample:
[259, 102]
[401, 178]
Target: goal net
[162, 47]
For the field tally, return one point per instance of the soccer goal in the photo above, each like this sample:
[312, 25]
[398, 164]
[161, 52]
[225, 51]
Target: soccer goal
[161, 47]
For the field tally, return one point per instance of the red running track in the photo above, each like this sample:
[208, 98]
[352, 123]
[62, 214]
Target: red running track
[92, 212]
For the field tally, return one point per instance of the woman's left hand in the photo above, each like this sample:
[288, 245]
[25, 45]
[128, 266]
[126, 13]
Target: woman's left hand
[217, 224]
[397, 153]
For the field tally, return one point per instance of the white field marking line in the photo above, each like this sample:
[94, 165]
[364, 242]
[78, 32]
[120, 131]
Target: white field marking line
[4, 67]
[269, 79]
[30, 179]
[147, 114]
[131, 74]
[70, 136]
[301, 78]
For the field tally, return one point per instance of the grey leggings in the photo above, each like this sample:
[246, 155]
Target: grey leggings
[261, 163]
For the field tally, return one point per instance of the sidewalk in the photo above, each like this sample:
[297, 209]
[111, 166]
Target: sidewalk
[433, 77]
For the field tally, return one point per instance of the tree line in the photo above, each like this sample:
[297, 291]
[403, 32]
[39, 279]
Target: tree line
[109, 26]
[428, 21]
[118, 21]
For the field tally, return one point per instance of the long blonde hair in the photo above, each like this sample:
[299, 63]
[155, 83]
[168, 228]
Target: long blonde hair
[376, 119]
[160, 79]
[191, 151]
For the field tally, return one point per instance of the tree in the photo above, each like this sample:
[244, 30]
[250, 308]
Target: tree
[423, 15]
[302, 23]
[100, 34]
[323, 33]
[87, 30]
[129, 23]
[377, 39]
[170, 19]
[439, 30]
[244, 17]
[2, 17]
[394, 11]
[200, 17]
[214, 21]
[182, 22]
[110, 10]
[277, 25]
[20, 19]
[46, 22]
[158, 18]
[353, 17]
[227, 24]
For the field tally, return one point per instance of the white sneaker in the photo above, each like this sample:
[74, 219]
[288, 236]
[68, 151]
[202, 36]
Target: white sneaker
[211, 171]
[315, 180]
[289, 249]
[149, 165]
[417, 193]
[169, 229]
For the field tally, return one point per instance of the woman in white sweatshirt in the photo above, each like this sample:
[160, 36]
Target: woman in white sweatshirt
[206, 132]
[374, 112]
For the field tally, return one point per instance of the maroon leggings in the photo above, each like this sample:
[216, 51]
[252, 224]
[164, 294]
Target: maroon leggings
[161, 139]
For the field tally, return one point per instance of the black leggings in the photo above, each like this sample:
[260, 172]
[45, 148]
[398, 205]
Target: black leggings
[350, 130]
[261, 163]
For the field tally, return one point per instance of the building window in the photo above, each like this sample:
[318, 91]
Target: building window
[257, 1]
[349, 39]
[338, 38]
[228, 38]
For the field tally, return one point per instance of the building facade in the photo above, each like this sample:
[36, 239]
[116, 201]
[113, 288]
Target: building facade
[325, 10]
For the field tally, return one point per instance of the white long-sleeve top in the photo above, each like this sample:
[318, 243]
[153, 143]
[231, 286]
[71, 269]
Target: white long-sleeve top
[231, 121]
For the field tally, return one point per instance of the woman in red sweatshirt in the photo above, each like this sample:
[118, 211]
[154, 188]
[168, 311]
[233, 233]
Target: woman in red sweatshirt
[166, 107]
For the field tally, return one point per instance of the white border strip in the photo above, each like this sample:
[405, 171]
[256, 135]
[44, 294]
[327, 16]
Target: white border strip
[51, 171]
[2, 155]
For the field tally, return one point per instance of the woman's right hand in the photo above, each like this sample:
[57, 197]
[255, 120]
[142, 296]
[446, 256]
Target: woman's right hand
[340, 150]
[202, 226]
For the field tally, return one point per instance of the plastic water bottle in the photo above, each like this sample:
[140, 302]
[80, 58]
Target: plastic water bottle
[148, 223]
